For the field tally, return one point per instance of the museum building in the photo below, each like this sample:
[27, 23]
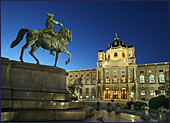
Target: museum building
[118, 77]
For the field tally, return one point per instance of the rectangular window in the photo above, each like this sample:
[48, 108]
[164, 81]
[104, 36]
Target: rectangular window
[123, 79]
[142, 92]
[87, 97]
[93, 97]
[123, 71]
[162, 92]
[141, 71]
[82, 81]
[87, 81]
[152, 92]
[150, 71]
[151, 79]
[115, 79]
[94, 81]
[107, 80]
[161, 70]
[161, 78]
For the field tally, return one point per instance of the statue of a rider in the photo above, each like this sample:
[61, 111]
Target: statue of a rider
[50, 26]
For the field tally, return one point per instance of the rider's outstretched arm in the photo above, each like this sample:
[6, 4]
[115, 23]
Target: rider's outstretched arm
[58, 23]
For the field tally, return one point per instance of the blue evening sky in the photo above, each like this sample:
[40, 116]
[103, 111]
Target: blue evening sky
[145, 25]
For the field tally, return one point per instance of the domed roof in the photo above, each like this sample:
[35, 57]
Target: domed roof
[116, 43]
[101, 51]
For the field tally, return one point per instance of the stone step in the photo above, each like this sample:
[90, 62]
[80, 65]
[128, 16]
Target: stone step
[33, 95]
[33, 104]
[46, 115]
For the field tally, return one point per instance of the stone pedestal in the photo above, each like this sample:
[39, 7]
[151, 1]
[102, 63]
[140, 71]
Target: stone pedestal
[145, 112]
[31, 92]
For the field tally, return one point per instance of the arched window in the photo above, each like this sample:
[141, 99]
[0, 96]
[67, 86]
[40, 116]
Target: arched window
[87, 81]
[161, 78]
[93, 93]
[142, 92]
[123, 55]
[93, 81]
[151, 79]
[115, 54]
[142, 79]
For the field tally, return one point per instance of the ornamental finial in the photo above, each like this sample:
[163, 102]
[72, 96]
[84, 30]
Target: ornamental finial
[116, 34]
[116, 37]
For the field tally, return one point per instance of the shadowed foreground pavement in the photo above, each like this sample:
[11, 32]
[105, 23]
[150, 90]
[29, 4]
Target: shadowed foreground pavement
[104, 116]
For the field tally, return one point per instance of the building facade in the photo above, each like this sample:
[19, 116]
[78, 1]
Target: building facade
[118, 77]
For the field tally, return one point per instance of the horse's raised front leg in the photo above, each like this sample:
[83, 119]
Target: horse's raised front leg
[33, 49]
[56, 59]
[65, 51]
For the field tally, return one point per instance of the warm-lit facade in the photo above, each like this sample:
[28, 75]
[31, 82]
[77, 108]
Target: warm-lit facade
[118, 77]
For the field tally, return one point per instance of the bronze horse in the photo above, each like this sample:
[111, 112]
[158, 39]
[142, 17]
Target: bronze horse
[36, 38]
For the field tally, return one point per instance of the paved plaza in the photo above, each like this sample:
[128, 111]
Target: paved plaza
[104, 116]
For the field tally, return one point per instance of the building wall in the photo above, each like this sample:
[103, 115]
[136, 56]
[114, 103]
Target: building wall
[96, 79]
[118, 77]
[147, 70]
[88, 79]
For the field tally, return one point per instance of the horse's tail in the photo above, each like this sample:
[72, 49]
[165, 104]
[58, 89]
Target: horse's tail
[20, 36]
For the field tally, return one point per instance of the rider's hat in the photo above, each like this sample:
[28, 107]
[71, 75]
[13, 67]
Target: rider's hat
[50, 14]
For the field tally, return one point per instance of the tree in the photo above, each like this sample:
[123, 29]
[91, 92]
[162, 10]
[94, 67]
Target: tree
[74, 88]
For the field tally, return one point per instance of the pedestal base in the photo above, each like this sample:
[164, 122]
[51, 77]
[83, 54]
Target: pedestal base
[31, 92]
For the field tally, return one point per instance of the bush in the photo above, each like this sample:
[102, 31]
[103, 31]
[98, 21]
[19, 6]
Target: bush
[162, 96]
[129, 104]
[137, 108]
[140, 104]
[157, 102]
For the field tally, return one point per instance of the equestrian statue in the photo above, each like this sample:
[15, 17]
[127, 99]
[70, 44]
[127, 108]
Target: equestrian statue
[46, 38]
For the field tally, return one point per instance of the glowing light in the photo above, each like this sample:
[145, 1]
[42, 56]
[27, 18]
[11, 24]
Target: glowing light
[133, 120]
[62, 103]
[131, 94]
